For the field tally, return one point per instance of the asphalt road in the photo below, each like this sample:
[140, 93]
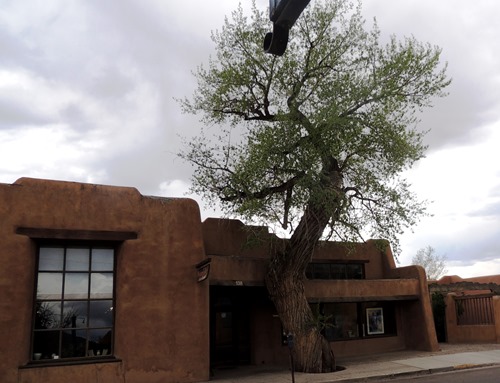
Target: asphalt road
[475, 375]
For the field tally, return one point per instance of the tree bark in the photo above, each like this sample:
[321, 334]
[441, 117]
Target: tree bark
[312, 352]
[285, 284]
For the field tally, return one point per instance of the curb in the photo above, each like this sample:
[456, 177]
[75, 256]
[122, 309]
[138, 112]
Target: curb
[416, 373]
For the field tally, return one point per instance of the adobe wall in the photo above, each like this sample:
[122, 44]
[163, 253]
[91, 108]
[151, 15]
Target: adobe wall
[485, 279]
[351, 348]
[471, 333]
[157, 293]
[420, 332]
[231, 245]
[232, 238]
[496, 314]
[368, 252]
[361, 289]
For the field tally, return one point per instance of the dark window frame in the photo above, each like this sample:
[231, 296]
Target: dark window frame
[89, 302]
[330, 270]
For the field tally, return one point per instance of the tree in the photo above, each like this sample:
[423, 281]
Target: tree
[434, 264]
[315, 140]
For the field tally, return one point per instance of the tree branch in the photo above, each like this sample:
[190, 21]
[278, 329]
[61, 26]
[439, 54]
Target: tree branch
[261, 194]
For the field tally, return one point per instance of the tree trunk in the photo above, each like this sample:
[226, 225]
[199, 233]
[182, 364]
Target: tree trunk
[285, 282]
[311, 351]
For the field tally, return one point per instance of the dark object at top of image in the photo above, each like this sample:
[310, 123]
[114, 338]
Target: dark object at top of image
[283, 14]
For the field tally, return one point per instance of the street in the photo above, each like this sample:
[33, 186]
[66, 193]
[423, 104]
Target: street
[478, 375]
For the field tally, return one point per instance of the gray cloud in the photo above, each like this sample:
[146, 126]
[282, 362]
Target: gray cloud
[466, 33]
[491, 209]
[471, 249]
[14, 115]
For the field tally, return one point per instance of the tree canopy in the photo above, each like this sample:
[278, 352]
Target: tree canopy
[339, 98]
[316, 140]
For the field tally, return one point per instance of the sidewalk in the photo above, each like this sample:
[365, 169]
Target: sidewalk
[386, 365]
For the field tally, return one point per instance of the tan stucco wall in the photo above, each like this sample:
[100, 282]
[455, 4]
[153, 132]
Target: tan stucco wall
[472, 333]
[420, 332]
[231, 245]
[161, 328]
[356, 290]
[345, 349]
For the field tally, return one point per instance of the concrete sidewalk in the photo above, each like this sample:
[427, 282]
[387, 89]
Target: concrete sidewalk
[386, 365]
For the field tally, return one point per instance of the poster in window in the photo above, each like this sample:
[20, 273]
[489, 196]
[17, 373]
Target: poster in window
[375, 320]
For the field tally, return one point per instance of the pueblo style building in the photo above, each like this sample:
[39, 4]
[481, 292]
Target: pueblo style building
[103, 284]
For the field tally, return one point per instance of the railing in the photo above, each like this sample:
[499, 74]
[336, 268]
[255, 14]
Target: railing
[474, 310]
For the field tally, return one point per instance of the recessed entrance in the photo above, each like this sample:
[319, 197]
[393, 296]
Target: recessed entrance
[232, 309]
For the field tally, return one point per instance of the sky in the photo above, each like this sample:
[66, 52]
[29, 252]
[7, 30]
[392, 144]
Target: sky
[88, 89]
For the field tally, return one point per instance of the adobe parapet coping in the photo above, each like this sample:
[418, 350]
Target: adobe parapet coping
[237, 225]
[132, 191]
[38, 182]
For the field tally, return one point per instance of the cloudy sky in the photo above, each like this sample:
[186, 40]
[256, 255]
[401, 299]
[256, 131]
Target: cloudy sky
[87, 94]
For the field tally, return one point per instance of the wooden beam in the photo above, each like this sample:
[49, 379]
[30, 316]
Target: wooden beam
[91, 235]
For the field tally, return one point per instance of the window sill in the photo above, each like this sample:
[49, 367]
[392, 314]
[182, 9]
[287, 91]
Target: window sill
[366, 337]
[69, 362]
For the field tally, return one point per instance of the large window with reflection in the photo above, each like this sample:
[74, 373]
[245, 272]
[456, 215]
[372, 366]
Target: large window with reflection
[73, 316]
[355, 320]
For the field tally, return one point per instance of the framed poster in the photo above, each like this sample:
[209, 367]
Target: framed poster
[375, 320]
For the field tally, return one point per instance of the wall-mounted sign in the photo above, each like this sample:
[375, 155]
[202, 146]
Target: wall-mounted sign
[203, 269]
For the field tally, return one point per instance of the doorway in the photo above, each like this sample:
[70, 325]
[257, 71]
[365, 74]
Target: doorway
[232, 320]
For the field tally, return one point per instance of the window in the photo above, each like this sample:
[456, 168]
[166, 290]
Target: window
[353, 320]
[342, 321]
[323, 270]
[74, 302]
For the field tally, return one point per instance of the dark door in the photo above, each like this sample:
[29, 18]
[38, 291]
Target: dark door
[229, 326]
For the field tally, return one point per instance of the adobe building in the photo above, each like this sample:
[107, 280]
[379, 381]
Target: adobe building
[98, 285]
[351, 284]
[101, 283]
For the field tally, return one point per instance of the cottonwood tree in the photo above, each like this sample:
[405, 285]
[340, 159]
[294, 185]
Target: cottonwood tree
[316, 140]
[434, 264]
